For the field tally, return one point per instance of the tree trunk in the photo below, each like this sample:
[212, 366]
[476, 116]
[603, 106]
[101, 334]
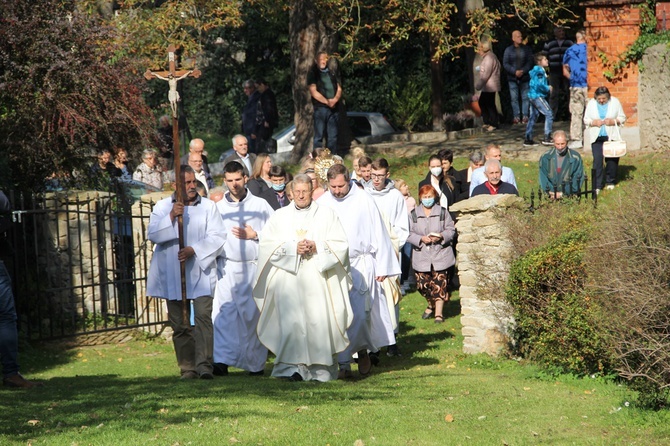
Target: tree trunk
[437, 85]
[304, 38]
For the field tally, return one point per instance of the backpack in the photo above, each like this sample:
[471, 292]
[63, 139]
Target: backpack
[443, 213]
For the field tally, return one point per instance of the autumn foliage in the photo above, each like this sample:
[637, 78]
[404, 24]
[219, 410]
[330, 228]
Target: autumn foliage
[64, 94]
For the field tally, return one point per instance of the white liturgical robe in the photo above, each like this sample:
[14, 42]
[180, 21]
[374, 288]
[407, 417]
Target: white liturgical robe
[303, 301]
[203, 231]
[371, 255]
[234, 312]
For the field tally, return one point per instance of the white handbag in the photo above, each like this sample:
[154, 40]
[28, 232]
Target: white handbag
[615, 147]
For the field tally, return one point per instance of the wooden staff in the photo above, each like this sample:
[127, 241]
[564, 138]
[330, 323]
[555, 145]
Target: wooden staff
[172, 76]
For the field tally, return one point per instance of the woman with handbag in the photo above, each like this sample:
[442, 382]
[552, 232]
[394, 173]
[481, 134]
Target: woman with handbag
[602, 117]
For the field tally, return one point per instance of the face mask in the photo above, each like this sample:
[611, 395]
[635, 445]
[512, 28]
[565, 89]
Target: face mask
[325, 70]
[428, 202]
[278, 187]
[436, 171]
[563, 152]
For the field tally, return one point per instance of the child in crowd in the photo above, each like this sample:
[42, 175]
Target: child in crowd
[538, 93]
[406, 253]
[356, 154]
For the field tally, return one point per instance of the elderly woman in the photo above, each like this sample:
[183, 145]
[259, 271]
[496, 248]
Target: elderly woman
[431, 231]
[149, 171]
[463, 177]
[603, 113]
[489, 84]
[260, 175]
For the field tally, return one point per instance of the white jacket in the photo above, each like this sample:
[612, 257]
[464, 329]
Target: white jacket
[614, 111]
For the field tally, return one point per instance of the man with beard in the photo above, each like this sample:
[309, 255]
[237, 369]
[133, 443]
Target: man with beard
[326, 91]
[302, 288]
[372, 260]
[235, 315]
[204, 235]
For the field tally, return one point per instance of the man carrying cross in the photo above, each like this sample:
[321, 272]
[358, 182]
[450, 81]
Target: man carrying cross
[204, 236]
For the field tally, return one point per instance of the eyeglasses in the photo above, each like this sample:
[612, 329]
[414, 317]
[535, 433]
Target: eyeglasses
[377, 176]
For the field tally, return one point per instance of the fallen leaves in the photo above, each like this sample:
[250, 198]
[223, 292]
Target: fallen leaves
[33, 422]
[449, 418]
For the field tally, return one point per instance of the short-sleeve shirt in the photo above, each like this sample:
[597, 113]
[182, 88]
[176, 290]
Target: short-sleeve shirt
[575, 58]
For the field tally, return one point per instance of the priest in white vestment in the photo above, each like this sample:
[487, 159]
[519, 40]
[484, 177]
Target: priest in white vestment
[235, 314]
[302, 288]
[204, 235]
[372, 260]
[391, 205]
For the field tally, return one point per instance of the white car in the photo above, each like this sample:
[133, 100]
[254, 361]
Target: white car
[365, 127]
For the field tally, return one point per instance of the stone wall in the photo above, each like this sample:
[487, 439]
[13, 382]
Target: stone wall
[483, 256]
[654, 112]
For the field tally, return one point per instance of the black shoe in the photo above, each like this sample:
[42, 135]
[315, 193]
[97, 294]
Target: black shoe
[206, 375]
[295, 377]
[393, 350]
[220, 369]
[258, 373]
[548, 141]
[427, 314]
[374, 358]
[529, 143]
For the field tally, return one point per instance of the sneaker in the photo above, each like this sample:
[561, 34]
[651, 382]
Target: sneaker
[609, 187]
[529, 143]
[574, 145]
[548, 141]
[516, 121]
[18, 381]
[393, 350]
[189, 375]
[206, 375]
[524, 120]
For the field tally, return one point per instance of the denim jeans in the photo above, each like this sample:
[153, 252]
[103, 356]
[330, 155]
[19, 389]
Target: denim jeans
[9, 343]
[514, 89]
[537, 106]
[325, 120]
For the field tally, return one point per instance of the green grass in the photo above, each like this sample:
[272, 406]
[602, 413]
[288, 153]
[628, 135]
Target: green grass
[130, 394]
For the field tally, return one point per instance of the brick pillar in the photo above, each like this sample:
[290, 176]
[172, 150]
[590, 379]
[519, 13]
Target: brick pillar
[662, 16]
[611, 27]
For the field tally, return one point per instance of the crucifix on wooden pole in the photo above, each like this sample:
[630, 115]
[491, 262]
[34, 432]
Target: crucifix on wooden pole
[172, 76]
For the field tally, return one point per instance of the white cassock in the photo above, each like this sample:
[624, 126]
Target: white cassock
[234, 312]
[391, 205]
[371, 255]
[304, 302]
[203, 231]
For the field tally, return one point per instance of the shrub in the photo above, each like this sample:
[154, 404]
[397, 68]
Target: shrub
[631, 278]
[411, 105]
[556, 323]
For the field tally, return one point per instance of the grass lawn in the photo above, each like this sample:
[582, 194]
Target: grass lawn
[433, 395]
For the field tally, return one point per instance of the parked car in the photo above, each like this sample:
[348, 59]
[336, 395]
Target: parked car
[364, 126]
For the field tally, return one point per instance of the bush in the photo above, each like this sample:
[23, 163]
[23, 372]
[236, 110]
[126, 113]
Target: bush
[556, 323]
[631, 278]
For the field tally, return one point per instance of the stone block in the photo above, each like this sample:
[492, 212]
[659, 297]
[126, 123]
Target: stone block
[470, 331]
[468, 278]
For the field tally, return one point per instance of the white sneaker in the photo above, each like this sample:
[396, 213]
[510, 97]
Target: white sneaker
[609, 187]
[574, 145]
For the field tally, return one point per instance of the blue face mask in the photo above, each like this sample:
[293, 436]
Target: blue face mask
[278, 187]
[428, 202]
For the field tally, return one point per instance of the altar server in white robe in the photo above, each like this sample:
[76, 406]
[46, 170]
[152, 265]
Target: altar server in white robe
[204, 235]
[391, 205]
[235, 314]
[372, 260]
[302, 287]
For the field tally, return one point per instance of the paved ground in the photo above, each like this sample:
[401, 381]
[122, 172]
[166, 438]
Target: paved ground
[509, 137]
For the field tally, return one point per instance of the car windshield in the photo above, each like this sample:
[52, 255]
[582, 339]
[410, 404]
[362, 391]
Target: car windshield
[284, 131]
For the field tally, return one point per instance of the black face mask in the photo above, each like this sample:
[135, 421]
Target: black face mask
[563, 152]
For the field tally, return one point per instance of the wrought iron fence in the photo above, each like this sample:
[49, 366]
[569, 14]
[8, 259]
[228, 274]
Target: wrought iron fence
[585, 192]
[79, 261]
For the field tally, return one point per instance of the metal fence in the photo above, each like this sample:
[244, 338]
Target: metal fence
[79, 261]
[583, 194]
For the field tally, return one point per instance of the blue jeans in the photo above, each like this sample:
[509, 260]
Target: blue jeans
[537, 106]
[514, 89]
[325, 119]
[9, 342]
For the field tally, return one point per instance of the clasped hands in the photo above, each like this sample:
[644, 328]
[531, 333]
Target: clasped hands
[431, 239]
[306, 247]
[601, 122]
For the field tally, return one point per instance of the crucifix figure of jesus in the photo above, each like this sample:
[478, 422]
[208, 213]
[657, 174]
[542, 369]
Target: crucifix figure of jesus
[172, 76]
